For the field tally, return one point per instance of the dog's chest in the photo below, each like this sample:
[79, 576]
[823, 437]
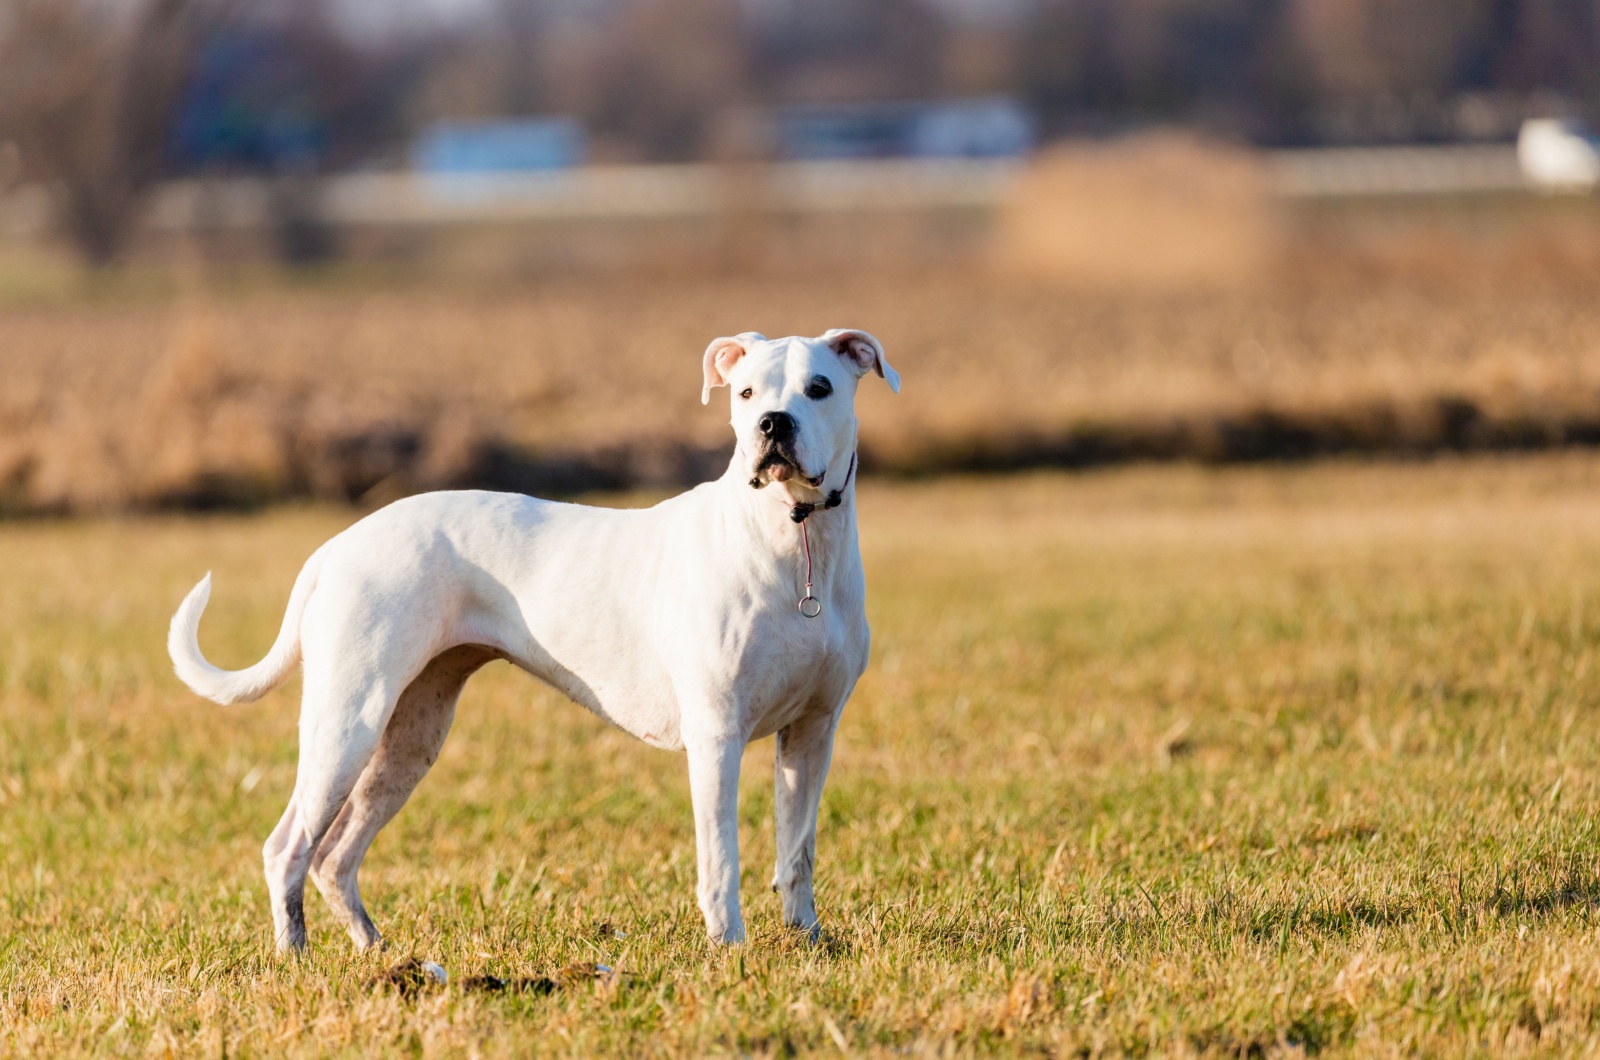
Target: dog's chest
[743, 649]
[795, 667]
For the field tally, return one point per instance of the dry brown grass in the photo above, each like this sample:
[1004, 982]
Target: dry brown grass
[1466, 335]
[1158, 213]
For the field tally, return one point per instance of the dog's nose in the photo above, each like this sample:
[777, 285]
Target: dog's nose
[779, 426]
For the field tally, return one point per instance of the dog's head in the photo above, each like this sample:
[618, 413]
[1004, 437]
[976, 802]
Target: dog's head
[794, 403]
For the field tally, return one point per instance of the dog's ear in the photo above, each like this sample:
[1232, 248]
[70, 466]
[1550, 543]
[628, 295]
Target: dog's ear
[863, 353]
[721, 356]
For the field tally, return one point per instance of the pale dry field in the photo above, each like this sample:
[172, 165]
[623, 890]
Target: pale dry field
[1164, 760]
[227, 390]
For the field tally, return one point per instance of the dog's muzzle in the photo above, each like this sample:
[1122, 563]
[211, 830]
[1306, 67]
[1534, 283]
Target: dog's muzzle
[776, 460]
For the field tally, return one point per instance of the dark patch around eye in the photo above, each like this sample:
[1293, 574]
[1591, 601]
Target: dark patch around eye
[819, 388]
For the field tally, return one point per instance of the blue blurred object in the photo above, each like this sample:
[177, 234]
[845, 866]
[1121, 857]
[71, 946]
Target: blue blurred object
[509, 146]
[971, 128]
[248, 105]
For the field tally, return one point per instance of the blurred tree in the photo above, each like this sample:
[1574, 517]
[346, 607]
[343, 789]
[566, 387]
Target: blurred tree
[1094, 62]
[1551, 44]
[841, 51]
[494, 69]
[101, 98]
[1304, 70]
[1386, 67]
[86, 94]
[522, 24]
[669, 69]
[278, 88]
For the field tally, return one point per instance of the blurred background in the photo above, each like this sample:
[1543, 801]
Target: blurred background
[349, 250]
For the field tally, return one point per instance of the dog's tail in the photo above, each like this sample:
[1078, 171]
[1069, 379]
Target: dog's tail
[250, 684]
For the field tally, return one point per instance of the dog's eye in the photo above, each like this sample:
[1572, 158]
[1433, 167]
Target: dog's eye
[819, 388]
[746, 392]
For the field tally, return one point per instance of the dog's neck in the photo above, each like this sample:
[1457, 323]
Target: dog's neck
[773, 510]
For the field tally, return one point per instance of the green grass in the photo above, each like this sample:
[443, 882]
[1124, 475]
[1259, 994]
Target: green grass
[1165, 760]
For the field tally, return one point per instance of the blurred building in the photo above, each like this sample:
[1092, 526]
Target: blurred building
[980, 128]
[508, 146]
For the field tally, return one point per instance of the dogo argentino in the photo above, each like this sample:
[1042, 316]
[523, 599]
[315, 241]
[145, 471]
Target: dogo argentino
[703, 623]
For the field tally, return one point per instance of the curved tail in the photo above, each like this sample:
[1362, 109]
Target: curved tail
[250, 684]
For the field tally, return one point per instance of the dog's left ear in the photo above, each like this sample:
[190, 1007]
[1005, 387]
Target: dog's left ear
[720, 358]
[863, 353]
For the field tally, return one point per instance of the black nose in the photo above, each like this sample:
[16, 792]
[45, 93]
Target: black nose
[779, 426]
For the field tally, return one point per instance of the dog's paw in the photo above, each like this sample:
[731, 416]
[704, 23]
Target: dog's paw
[811, 931]
[731, 935]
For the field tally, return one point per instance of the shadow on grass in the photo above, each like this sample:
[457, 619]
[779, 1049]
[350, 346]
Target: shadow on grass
[1458, 903]
[1312, 1031]
[1136, 919]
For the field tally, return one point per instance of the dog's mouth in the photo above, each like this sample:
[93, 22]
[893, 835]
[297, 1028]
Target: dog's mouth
[776, 465]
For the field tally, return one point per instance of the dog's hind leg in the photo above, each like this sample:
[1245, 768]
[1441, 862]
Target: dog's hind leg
[337, 738]
[409, 747]
[286, 914]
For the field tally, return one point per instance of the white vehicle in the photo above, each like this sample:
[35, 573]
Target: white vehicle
[1556, 155]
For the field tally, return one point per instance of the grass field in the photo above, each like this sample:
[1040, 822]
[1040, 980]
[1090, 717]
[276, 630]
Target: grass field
[1157, 760]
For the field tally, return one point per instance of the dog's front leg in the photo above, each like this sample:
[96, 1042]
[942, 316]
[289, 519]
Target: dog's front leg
[804, 750]
[714, 787]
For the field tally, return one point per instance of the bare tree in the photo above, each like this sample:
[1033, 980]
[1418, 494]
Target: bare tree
[1553, 45]
[1397, 49]
[670, 68]
[86, 92]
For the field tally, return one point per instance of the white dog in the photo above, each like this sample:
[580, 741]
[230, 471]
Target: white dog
[703, 623]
